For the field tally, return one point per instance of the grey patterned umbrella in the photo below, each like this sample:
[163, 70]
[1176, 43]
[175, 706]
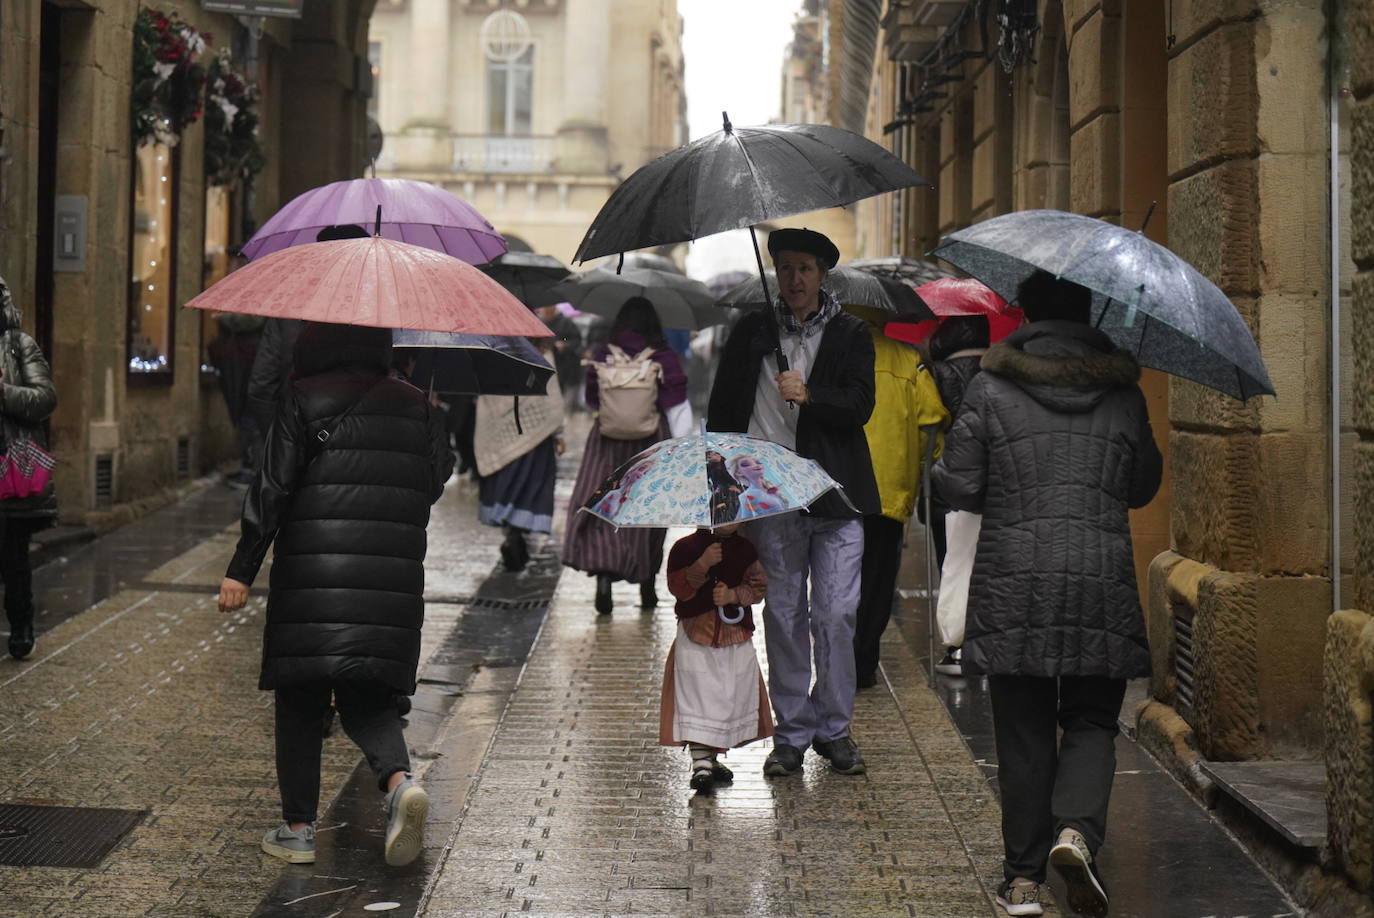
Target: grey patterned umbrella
[850, 286]
[1147, 299]
[474, 364]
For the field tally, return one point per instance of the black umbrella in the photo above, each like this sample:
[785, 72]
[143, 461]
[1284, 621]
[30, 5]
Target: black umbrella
[474, 364]
[679, 301]
[851, 287]
[529, 277]
[740, 177]
[1147, 299]
[914, 271]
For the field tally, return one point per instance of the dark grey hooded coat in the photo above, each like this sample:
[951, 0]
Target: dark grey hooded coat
[27, 399]
[348, 517]
[1053, 446]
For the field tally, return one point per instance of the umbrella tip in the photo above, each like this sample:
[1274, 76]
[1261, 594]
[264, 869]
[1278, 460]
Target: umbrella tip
[725, 117]
[378, 230]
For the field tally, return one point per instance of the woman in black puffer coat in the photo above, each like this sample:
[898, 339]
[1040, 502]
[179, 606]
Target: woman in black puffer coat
[1053, 446]
[348, 514]
[27, 399]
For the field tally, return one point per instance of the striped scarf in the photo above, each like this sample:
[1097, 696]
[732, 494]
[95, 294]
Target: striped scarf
[814, 324]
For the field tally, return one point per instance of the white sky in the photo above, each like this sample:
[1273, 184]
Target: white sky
[733, 51]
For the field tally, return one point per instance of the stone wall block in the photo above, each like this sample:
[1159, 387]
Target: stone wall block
[1291, 504]
[1033, 188]
[1193, 405]
[1095, 164]
[1292, 337]
[1359, 589]
[985, 88]
[1348, 744]
[1362, 367]
[1213, 514]
[1226, 699]
[1095, 67]
[1290, 634]
[1212, 220]
[1362, 178]
[1192, 18]
[1078, 13]
[1212, 90]
[1360, 38]
[984, 175]
[1293, 224]
[1290, 43]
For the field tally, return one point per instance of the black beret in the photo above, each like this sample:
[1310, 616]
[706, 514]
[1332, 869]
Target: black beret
[804, 240]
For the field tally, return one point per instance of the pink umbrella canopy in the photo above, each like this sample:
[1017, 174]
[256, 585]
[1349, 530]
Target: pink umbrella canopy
[415, 212]
[376, 282]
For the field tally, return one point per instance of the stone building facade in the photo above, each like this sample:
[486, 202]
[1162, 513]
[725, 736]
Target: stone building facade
[531, 110]
[79, 208]
[1246, 127]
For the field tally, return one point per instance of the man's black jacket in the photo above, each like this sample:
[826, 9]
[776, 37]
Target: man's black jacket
[830, 426]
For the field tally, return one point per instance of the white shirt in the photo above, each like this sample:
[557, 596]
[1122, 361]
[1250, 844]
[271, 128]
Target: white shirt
[773, 419]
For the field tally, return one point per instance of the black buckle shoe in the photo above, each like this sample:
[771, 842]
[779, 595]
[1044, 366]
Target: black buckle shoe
[21, 640]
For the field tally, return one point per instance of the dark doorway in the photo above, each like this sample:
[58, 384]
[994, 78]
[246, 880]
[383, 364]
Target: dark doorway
[49, 67]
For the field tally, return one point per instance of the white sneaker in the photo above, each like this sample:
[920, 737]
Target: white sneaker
[1071, 857]
[407, 807]
[1020, 896]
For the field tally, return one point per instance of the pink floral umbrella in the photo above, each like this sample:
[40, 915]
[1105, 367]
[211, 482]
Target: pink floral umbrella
[416, 212]
[377, 282]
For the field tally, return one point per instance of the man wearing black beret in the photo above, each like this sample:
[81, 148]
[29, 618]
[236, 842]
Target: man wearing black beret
[818, 406]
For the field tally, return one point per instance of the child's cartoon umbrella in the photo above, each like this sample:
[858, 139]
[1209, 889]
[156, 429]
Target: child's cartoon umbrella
[708, 480]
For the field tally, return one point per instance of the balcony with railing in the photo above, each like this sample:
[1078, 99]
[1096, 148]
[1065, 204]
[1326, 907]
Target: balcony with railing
[487, 153]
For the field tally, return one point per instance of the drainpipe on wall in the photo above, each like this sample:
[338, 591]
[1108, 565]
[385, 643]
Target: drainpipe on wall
[1336, 90]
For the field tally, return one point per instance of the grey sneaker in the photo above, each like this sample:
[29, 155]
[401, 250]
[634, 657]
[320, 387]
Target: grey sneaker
[292, 847]
[1071, 857]
[407, 806]
[844, 756]
[783, 761]
[1020, 896]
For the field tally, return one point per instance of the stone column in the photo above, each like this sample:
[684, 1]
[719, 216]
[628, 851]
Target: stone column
[583, 145]
[425, 142]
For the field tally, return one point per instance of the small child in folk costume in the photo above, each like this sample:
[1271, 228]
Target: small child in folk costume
[714, 696]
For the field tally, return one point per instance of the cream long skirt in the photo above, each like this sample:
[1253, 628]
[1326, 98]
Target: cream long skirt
[713, 695]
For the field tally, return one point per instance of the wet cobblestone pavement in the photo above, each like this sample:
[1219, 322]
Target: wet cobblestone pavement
[551, 794]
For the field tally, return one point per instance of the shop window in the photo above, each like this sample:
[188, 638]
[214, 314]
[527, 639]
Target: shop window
[153, 263]
[219, 260]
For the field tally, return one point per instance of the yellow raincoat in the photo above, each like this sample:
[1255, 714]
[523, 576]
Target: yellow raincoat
[904, 400]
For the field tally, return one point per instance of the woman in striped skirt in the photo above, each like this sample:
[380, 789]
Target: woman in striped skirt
[591, 544]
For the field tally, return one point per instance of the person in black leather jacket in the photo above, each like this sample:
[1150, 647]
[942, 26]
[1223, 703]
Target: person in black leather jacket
[352, 463]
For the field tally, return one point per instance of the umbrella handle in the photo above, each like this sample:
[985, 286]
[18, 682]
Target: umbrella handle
[778, 355]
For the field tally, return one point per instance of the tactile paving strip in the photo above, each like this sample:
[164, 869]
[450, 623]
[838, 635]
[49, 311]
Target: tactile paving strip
[61, 836]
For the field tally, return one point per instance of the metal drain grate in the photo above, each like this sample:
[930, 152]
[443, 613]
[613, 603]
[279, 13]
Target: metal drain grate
[61, 836]
[1183, 660]
[497, 602]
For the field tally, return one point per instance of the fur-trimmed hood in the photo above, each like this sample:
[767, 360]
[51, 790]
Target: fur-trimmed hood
[1066, 366]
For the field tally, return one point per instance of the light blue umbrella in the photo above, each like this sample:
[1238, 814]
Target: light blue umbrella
[708, 480]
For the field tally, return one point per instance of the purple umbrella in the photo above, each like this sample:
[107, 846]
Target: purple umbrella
[415, 212]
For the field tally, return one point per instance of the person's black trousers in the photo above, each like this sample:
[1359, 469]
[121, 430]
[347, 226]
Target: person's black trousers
[877, 586]
[1046, 789]
[368, 715]
[16, 571]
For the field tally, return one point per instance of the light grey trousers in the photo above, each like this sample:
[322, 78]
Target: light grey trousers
[801, 631]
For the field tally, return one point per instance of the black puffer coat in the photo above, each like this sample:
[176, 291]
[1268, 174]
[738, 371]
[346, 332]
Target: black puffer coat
[27, 399]
[348, 518]
[1052, 446]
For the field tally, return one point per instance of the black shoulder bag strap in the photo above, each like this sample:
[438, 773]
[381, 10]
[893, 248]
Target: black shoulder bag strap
[323, 431]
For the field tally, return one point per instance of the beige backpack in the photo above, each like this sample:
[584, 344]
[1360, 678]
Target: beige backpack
[629, 394]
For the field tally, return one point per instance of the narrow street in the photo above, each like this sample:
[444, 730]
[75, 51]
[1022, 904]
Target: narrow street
[534, 730]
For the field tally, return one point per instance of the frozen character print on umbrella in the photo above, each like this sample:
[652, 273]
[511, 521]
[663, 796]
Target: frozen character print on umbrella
[760, 496]
[613, 499]
[725, 490]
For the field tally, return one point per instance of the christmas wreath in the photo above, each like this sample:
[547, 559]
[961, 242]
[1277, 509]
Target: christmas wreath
[168, 82]
[232, 150]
